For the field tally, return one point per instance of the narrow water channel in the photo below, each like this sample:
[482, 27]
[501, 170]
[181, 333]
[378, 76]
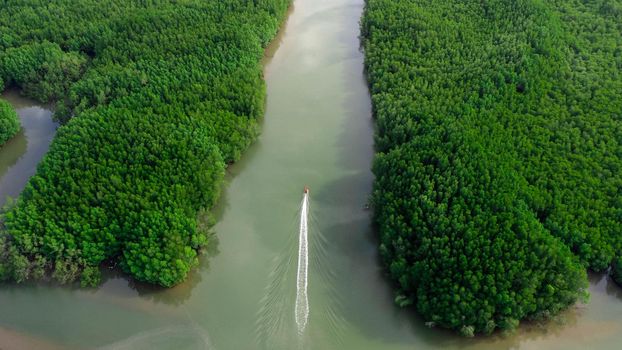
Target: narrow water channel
[20, 155]
[317, 132]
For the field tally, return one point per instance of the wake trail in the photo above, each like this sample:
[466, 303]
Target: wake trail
[272, 325]
[302, 301]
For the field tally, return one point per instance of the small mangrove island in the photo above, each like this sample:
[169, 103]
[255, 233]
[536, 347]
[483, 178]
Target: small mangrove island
[9, 121]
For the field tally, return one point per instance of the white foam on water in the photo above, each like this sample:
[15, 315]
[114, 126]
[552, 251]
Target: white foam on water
[302, 301]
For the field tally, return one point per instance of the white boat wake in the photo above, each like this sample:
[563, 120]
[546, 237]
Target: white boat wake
[302, 302]
[284, 296]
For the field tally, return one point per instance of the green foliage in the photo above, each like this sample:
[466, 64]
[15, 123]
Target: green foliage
[91, 277]
[467, 331]
[157, 97]
[9, 122]
[499, 154]
[42, 70]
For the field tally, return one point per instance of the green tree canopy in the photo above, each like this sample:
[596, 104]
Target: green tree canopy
[157, 97]
[499, 153]
[9, 122]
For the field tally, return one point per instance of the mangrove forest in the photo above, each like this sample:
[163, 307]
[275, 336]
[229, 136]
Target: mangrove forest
[156, 98]
[499, 153]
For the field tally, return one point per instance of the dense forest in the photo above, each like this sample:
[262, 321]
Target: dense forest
[9, 121]
[499, 153]
[156, 98]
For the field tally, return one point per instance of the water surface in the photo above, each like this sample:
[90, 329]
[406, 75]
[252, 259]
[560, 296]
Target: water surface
[20, 155]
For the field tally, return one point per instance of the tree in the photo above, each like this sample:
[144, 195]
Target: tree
[9, 122]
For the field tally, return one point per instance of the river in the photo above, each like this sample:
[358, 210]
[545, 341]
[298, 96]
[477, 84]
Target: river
[20, 155]
[317, 132]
